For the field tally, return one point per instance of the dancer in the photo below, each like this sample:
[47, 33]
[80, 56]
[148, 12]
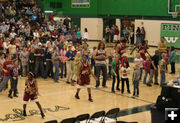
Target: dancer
[121, 48]
[83, 77]
[31, 92]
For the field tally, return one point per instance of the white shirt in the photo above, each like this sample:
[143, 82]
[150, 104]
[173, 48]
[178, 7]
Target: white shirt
[139, 62]
[36, 34]
[125, 72]
[85, 35]
[12, 34]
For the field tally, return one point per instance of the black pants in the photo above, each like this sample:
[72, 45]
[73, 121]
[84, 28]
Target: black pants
[127, 84]
[49, 69]
[114, 80]
[104, 73]
[14, 83]
[31, 67]
[173, 67]
[109, 71]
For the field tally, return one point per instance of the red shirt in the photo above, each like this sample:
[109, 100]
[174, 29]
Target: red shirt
[7, 66]
[116, 31]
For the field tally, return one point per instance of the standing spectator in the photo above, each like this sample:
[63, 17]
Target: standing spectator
[100, 57]
[31, 60]
[162, 67]
[66, 22]
[63, 61]
[6, 72]
[125, 71]
[39, 64]
[154, 69]
[70, 58]
[107, 31]
[85, 35]
[6, 44]
[2, 60]
[56, 60]
[162, 46]
[77, 61]
[24, 55]
[143, 34]
[139, 61]
[135, 80]
[112, 33]
[78, 36]
[138, 36]
[147, 68]
[48, 61]
[12, 49]
[14, 79]
[115, 73]
[172, 59]
[51, 27]
[116, 34]
[166, 59]
[110, 59]
[132, 35]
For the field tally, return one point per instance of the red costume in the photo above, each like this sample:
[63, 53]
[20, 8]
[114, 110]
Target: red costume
[30, 94]
[84, 77]
[122, 47]
[144, 48]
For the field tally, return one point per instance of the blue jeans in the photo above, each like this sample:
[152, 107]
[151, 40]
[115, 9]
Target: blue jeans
[138, 40]
[145, 77]
[163, 77]
[136, 87]
[85, 40]
[39, 66]
[4, 82]
[14, 84]
[56, 74]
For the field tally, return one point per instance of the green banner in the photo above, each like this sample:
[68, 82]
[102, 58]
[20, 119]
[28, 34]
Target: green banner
[171, 33]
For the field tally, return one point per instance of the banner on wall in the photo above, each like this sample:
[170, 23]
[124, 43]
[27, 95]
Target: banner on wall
[80, 3]
[171, 33]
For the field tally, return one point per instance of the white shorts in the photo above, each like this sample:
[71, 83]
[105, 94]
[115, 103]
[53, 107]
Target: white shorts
[115, 37]
[80, 87]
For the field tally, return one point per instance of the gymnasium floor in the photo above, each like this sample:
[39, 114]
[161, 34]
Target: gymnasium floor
[59, 103]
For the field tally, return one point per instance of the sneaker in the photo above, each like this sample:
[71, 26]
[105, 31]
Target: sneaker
[105, 86]
[118, 89]
[156, 83]
[132, 96]
[77, 97]
[113, 91]
[68, 82]
[15, 95]
[137, 95]
[24, 113]
[129, 92]
[42, 115]
[148, 84]
[91, 100]
[10, 96]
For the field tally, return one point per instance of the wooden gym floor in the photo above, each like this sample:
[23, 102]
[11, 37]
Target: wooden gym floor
[58, 102]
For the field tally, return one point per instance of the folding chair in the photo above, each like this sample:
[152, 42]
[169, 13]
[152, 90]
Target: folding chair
[112, 114]
[82, 117]
[97, 115]
[51, 121]
[68, 120]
